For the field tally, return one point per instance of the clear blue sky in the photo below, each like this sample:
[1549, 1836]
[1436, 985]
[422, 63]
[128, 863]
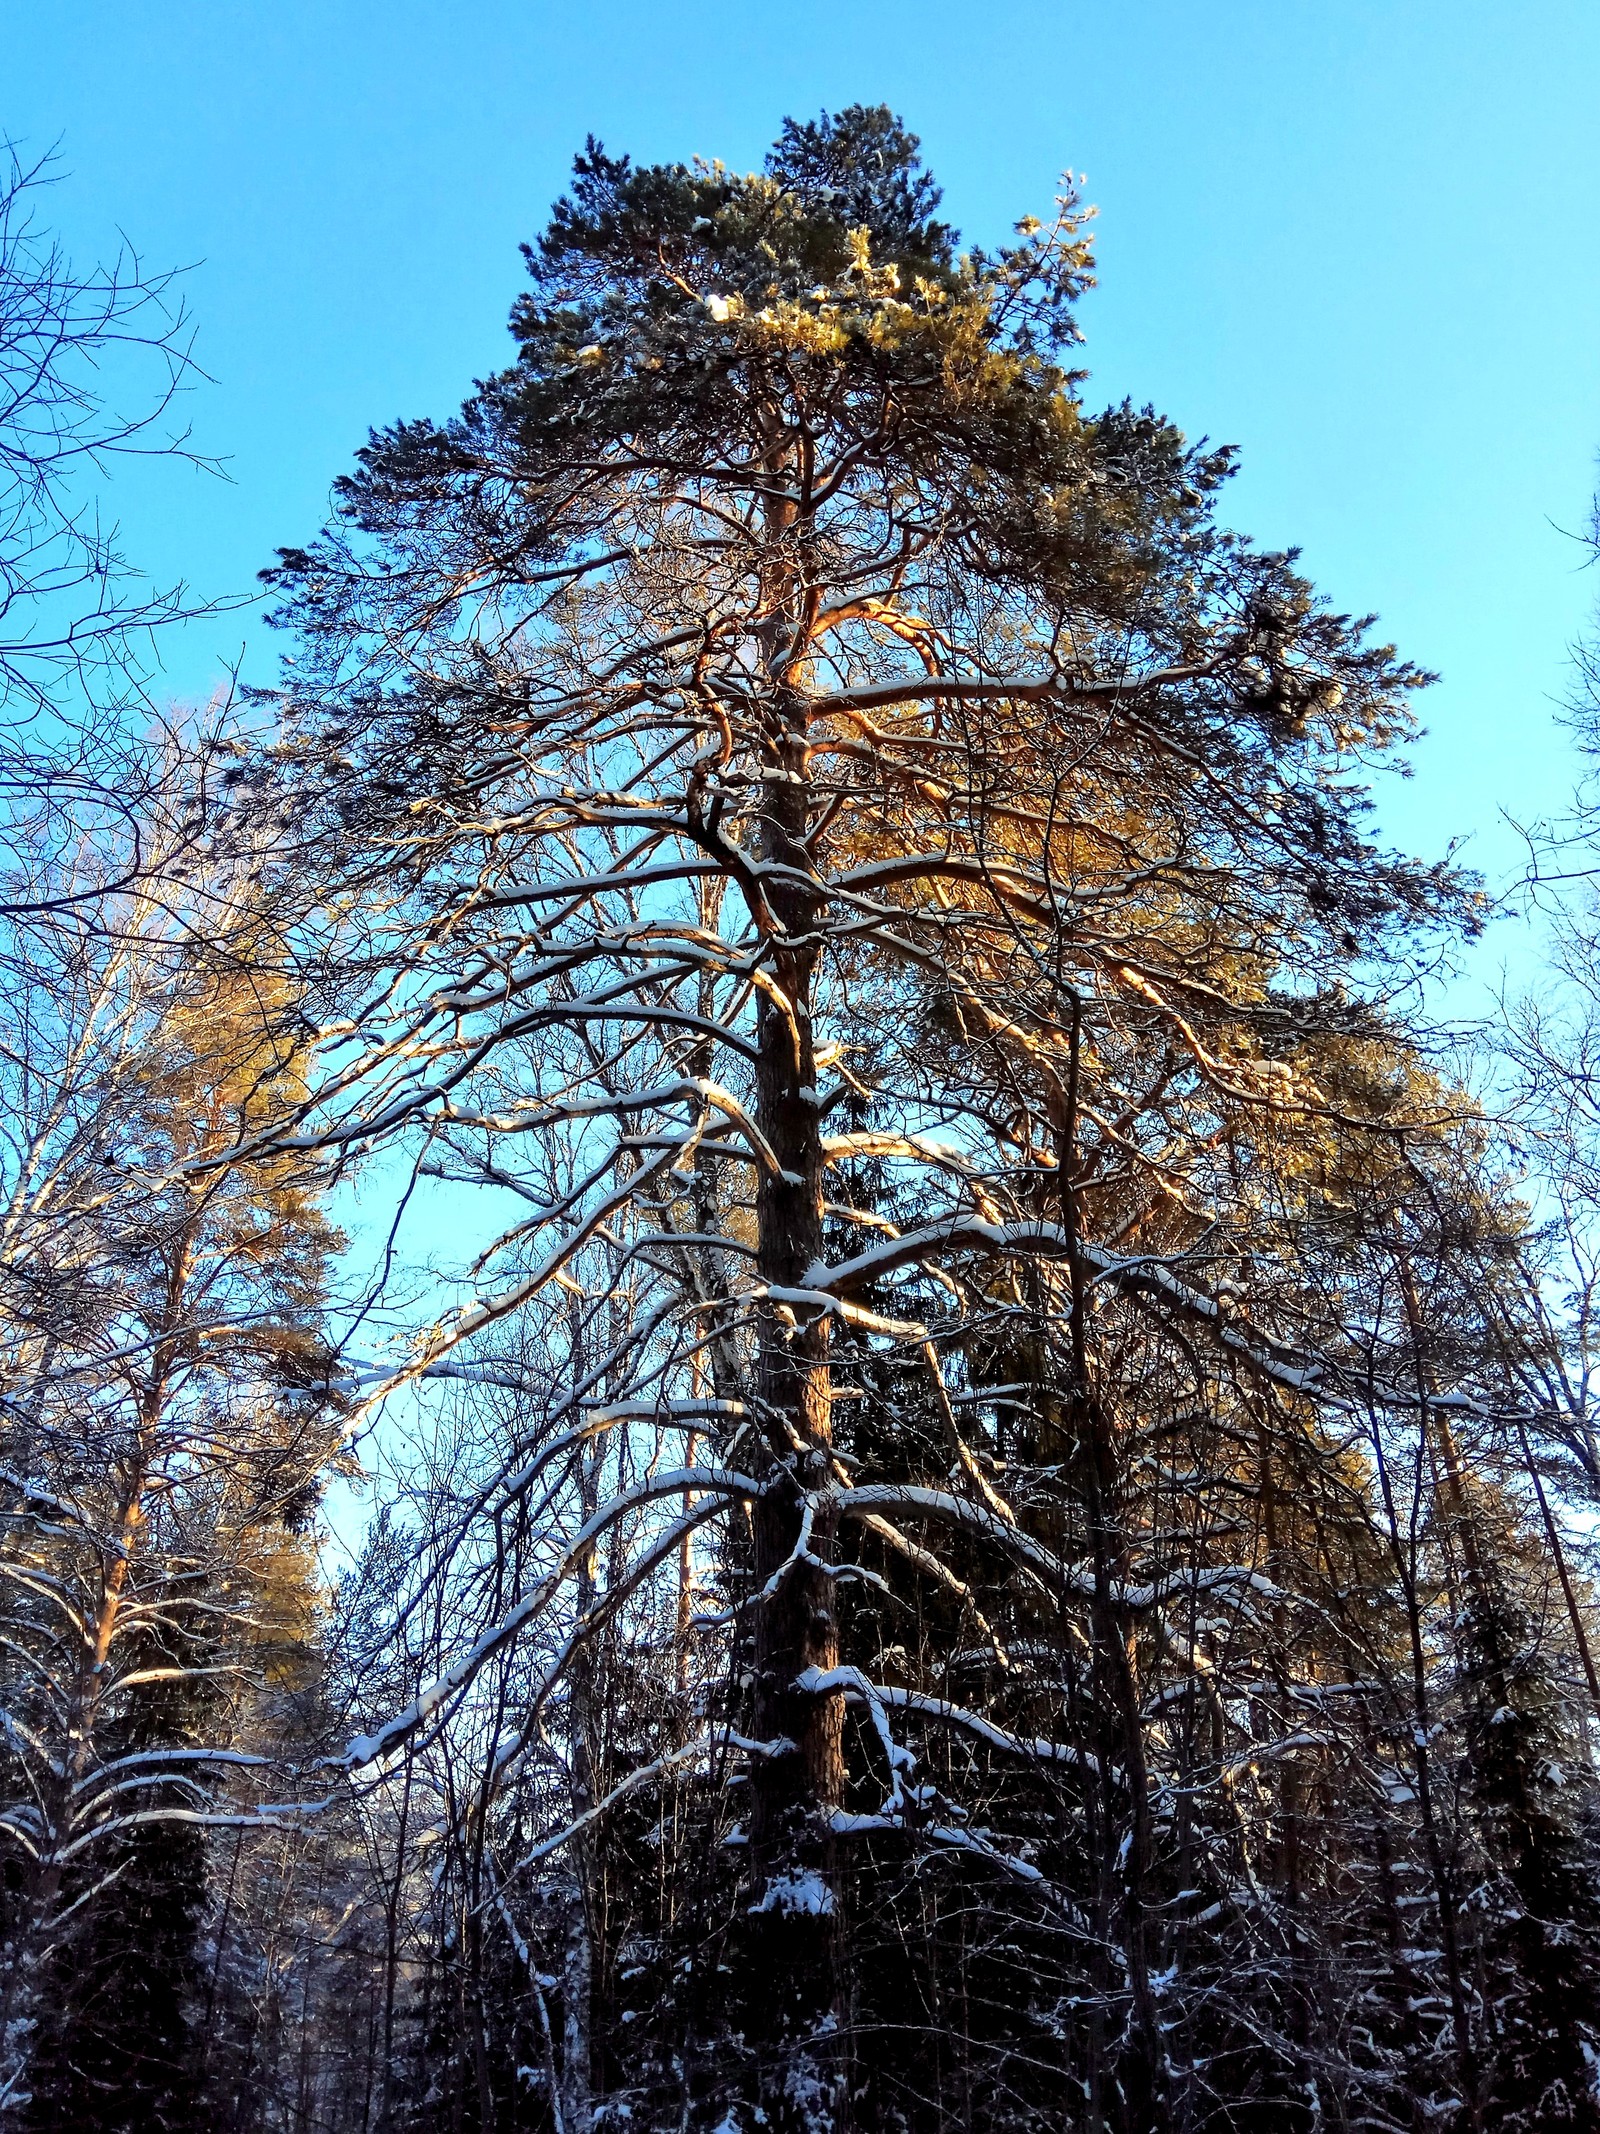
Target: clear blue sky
[1359, 240]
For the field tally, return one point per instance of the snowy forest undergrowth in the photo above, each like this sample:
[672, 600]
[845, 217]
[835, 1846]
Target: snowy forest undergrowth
[975, 1456]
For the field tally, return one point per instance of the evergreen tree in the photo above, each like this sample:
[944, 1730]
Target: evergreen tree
[864, 842]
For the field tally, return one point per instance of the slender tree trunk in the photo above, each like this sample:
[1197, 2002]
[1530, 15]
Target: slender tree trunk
[1441, 1863]
[577, 1970]
[1558, 1554]
[1141, 2071]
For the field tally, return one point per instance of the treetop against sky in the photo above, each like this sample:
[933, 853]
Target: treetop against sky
[1356, 242]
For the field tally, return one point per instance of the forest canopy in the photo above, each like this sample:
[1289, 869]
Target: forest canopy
[973, 1433]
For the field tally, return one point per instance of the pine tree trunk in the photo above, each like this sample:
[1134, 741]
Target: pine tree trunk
[796, 1992]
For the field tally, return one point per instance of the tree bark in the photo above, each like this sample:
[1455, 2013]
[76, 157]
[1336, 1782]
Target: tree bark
[796, 2000]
